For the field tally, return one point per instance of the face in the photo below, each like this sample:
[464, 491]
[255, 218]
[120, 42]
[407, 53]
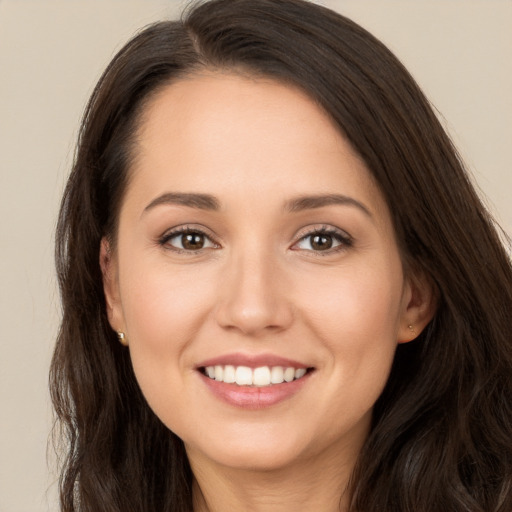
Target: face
[256, 276]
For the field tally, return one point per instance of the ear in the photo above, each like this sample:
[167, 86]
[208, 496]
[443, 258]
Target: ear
[109, 270]
[419, 304]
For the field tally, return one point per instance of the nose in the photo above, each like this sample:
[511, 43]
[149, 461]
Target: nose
[254, 298]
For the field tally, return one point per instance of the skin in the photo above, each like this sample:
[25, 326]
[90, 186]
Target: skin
[258, 285]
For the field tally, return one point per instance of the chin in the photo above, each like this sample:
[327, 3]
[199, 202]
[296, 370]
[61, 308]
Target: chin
[251, 454]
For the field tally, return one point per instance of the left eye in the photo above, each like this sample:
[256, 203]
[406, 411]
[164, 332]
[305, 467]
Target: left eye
[189, 241]
[322, 241]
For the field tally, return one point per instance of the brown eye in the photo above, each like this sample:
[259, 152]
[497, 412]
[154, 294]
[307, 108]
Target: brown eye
[192, 241]
[188, 240]
[324, 240]
[321, 242]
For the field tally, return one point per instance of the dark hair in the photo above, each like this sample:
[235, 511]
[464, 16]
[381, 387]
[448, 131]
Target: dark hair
[441, 436]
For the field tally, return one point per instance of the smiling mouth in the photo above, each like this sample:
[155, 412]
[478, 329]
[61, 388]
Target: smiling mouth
[262, 376]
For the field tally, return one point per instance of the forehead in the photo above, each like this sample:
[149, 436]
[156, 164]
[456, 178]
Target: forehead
[222, 132]
[212, 105]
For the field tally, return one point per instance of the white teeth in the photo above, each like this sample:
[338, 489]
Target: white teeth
[300, 372]
[243, 376]
[261, 376]
[289, 374]
[219, 373]
[277, 375]
[229, 374]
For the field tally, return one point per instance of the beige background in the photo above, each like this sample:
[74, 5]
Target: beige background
[51, 54]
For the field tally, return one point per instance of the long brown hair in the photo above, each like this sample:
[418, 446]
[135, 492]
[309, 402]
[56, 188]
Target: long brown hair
[441, 437]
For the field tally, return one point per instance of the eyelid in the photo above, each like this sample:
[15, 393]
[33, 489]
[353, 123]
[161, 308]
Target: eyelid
[345, 239]
[183, 229]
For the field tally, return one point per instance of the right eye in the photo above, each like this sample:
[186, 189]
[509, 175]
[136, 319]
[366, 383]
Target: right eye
[187, 240]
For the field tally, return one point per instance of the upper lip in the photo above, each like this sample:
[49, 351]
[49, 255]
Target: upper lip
[252, 361]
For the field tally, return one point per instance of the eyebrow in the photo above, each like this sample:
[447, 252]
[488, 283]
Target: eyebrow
[201, 201]
[318, 201]
[301, 203]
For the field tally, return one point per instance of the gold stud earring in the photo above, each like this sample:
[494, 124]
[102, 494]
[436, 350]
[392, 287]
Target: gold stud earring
[122, 338]
[411, 328]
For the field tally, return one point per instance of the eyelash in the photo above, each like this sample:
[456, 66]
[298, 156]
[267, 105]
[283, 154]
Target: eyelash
[345, 240]
[184, 230]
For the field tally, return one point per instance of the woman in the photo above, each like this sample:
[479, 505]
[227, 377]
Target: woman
[280, 290]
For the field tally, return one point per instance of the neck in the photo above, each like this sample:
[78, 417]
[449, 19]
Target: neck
[318, 484]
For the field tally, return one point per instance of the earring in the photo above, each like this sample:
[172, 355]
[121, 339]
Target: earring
[122, 338]
[411, 328]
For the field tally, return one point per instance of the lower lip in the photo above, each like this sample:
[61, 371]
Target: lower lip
[253, 397]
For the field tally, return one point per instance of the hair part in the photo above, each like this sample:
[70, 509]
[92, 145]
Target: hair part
[441, 433]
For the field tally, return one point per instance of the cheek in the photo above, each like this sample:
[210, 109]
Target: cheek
[356, 314]
[162, 305]
[164, 310]
[354, 303]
